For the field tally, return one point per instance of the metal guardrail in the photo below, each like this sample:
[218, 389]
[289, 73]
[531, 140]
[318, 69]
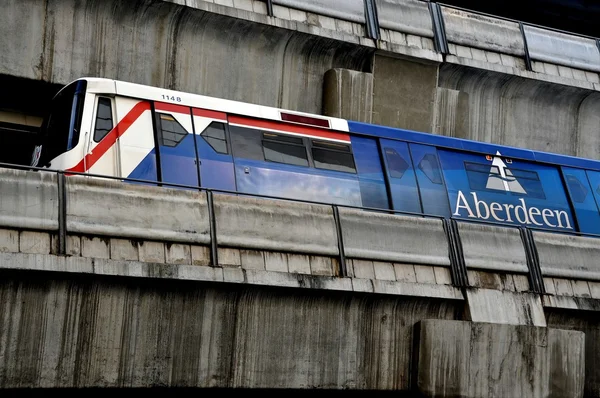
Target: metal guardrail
[458, 266]
[372, 26]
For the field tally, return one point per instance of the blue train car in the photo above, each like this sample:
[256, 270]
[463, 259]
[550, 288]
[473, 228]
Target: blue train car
[107, 127]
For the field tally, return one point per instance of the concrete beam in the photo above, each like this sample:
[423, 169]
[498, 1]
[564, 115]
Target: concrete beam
[520, 112]
[63, 331]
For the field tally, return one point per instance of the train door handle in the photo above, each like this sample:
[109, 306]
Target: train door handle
[247, 170]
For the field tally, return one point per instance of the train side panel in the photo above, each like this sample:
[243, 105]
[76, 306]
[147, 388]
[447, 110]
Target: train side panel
[497, 189]
[293, 161]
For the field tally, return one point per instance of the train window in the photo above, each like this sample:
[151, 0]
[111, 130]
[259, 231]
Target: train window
[284, 149]
[484, 177]
[430, 167]
[60, 131]
[518, 182]
[524, 182]
[214, 135]
[104, 121]
[396, 164]
[246, 143]
[171, 133]
[577, 189]
[333, 156]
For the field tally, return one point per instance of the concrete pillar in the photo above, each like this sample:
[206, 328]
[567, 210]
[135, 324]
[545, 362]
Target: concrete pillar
[587, 322]
[404, 93]
[467, 359]
[348, 94]
[451, 113]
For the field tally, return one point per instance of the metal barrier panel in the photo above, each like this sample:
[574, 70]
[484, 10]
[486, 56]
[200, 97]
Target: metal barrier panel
[349, 10]
[111, 208]
[490, 247]
[395, 238]
[278, 225]
[562, 49]
[406, 16]
[483, 32]
[568, 256]
[29, 200]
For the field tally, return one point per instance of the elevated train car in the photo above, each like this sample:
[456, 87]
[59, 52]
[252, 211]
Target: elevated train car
[115, 128]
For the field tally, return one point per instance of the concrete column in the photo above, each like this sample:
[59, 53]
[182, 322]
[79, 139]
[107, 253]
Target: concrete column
[404, 93]
[467, 359]
[451, 113]
[348, 94]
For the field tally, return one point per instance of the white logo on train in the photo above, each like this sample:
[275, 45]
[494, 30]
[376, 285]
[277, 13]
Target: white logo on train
[502, 212]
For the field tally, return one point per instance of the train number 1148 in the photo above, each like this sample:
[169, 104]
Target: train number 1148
[171, 98]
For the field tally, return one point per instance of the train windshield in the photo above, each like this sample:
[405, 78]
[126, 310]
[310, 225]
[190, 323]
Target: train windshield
[60, 130]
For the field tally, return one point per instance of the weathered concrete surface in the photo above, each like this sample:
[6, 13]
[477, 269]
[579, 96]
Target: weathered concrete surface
[589, 323]
[526, 113]
[562, 49]
[112, 208]
[404, 92]
[348, 94]
[483, 32]
[28, 200]
[462, 359]
[395, 238]
[280, 225]
[60, 331]
[410, 16]
[504, 307]
[568, 256]
[492, 247]
[168, 45]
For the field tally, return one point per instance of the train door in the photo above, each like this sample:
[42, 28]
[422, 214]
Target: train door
[102, 138]
[430, 180]
[214, 152]
[401, 176]
[582, 199]
[176, 146]
[371, 179]
[134, 135]
[594, 179]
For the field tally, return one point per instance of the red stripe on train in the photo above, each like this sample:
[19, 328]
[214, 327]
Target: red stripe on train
[289, 128]
[164, 106]
[210, 114]
[110, 138]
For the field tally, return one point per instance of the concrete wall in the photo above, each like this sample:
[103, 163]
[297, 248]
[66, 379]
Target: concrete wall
[106, 332]
[168, 45]
[137, 301]
[522, 112]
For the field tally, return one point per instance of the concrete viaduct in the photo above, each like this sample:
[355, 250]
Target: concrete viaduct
[108, 285]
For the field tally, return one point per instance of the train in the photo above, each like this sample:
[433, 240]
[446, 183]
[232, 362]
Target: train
[120, 129]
